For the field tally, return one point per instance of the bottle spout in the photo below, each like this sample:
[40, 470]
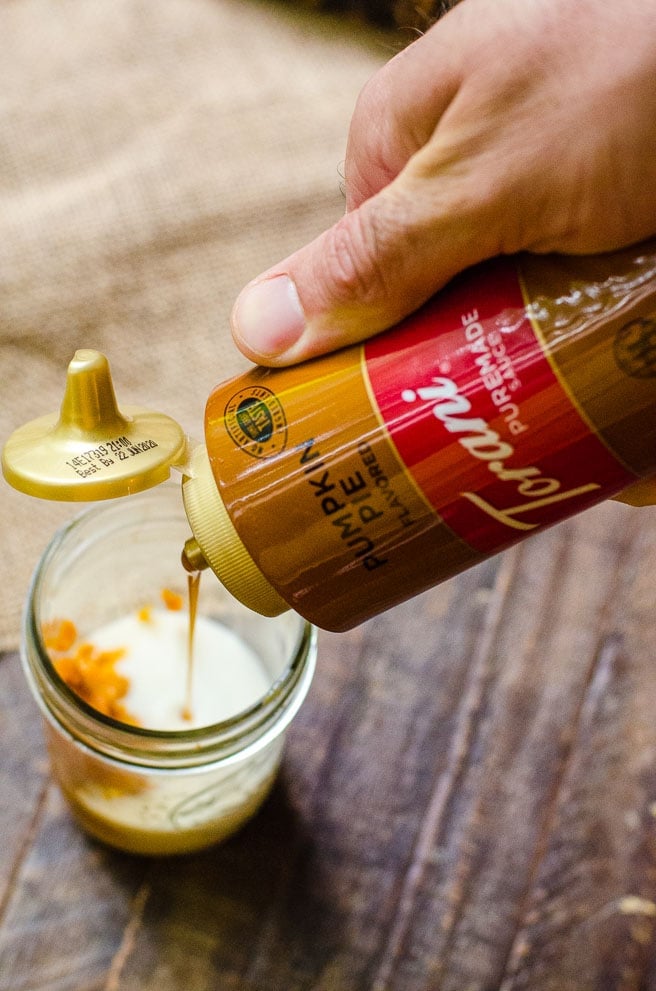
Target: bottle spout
[89, 404]
[192, 557]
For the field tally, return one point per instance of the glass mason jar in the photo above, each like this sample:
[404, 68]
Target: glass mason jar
[144, 790]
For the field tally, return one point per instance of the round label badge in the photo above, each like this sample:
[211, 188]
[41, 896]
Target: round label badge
[255, 421]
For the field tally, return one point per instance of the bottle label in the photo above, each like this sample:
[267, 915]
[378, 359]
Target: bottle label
[480, 417]
[373, 473]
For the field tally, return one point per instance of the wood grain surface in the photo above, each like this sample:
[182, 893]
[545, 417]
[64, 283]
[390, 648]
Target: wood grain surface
[467, 803]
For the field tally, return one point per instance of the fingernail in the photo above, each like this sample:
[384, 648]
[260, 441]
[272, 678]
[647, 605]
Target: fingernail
[268, 316]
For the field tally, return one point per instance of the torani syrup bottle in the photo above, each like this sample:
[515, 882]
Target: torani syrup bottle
[522, 393]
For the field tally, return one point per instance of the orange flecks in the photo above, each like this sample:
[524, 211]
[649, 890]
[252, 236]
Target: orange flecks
[172, 600]
[89, 672]
[59, 634]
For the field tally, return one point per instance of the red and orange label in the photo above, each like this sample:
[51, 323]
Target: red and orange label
[480, 418]
[522, 393]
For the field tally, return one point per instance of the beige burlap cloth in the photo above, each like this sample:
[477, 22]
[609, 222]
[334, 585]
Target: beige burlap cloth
[154, 156]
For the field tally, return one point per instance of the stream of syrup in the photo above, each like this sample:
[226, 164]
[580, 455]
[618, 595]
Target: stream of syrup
[193, 585]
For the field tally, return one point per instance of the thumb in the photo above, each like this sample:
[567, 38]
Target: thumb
[378, 263]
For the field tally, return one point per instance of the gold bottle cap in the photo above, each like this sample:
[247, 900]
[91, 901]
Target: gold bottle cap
[92, 450]
[217, 543]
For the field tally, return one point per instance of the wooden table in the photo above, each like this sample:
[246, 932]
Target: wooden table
[468, 803]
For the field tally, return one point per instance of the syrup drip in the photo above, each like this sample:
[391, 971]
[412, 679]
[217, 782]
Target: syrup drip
[193, 585]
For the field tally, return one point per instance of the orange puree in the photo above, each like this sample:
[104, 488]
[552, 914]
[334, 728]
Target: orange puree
[145, 614]
[172, 600]
[91, 673]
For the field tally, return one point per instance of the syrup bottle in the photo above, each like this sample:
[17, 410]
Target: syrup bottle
[521, 394]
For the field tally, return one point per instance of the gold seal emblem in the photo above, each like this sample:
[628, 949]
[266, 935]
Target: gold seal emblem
[255, 421]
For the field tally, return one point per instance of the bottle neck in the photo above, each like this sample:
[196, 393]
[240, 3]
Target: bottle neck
[220, 544]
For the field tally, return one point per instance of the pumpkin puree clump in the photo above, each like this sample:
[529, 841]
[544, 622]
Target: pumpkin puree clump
[172, 600]
[91, 673]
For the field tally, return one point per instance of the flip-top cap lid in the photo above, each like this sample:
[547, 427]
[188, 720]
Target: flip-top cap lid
[91, 449]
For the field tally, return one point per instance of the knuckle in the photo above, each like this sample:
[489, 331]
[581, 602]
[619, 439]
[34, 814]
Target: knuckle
[374, 99]
[374, 144]
[355, 259]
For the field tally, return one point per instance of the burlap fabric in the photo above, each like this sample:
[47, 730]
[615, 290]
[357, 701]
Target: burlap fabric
[154, 156]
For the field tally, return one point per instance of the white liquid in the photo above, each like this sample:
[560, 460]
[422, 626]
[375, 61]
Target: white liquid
[227, 676]
[163, 812]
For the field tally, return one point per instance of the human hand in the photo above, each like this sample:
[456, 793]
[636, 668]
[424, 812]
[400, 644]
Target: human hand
[523, 125]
